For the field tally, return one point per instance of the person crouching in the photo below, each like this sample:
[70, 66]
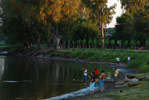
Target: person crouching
[92, 83]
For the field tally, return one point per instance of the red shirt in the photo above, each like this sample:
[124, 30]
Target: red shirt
[97, 72]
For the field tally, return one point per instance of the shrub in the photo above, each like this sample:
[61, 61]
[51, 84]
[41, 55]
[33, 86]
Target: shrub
[144, 68]
[126, 43]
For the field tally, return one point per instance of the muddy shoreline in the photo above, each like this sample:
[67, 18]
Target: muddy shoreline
[56, 57]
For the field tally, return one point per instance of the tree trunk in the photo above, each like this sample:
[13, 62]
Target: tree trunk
[68, 44]
[38, 42]
[64, 44]
[57, 42]
[103, 35]
[28, 45]
[48, 41]
[57, 39]
[33, 39]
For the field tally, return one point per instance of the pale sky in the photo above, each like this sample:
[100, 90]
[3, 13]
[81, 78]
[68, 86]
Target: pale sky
[117, 9]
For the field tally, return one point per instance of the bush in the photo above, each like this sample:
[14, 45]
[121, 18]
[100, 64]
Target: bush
[144, 68]
[113, 42]
[126, 43]
[133, 43]
[75, 54]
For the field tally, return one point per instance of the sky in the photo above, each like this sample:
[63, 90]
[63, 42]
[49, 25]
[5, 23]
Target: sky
[118, 11]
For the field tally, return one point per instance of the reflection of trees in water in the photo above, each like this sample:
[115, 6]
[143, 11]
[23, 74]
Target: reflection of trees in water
[66, 72]
[36, 70]
[2, 66]
[57, 71]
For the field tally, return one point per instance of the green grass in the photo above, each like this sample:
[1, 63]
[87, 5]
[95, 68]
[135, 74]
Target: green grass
[10, 47]
[139, 59]
[139, 92]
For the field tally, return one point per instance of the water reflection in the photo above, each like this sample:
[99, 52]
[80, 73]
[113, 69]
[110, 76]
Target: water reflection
[39, 78]
[2, 66]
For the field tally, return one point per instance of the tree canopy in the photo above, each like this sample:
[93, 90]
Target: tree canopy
[58, 22]
[133, 24]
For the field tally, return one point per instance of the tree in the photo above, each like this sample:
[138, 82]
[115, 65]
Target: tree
[56, 12]
[13, 26]
[126, 43]
[100, 14]
[107, 42]
[43, 17]
[90, 43]
[23, 18]
[125, 28]
[95, 43]
[133, 43]
[147, 43]
[82, 29]
[141, 24]
[112, 43]
[133, 5]
[84, 43]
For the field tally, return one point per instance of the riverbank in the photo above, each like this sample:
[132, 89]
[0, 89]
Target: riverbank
[63, 55]
[139, 59]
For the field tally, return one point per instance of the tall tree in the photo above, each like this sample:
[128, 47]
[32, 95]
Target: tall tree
[141, 24]
[13, 25]
[83, 29]
[134, 23]
[100, 14]
[133, 5]
[55, 12]
[26, 13]
[124, 28]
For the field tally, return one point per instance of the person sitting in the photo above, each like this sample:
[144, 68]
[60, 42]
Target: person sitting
[92, 83]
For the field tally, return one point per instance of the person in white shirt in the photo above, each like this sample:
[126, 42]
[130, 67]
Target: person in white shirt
[128, 58]
[85, 75]
[118, 60]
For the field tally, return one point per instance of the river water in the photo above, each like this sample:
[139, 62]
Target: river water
[34, 79]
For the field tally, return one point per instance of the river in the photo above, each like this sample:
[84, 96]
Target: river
[34, 79]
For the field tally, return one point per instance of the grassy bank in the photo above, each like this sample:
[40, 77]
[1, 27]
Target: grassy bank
[10, 47]
[139, 59]
[139, 92]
